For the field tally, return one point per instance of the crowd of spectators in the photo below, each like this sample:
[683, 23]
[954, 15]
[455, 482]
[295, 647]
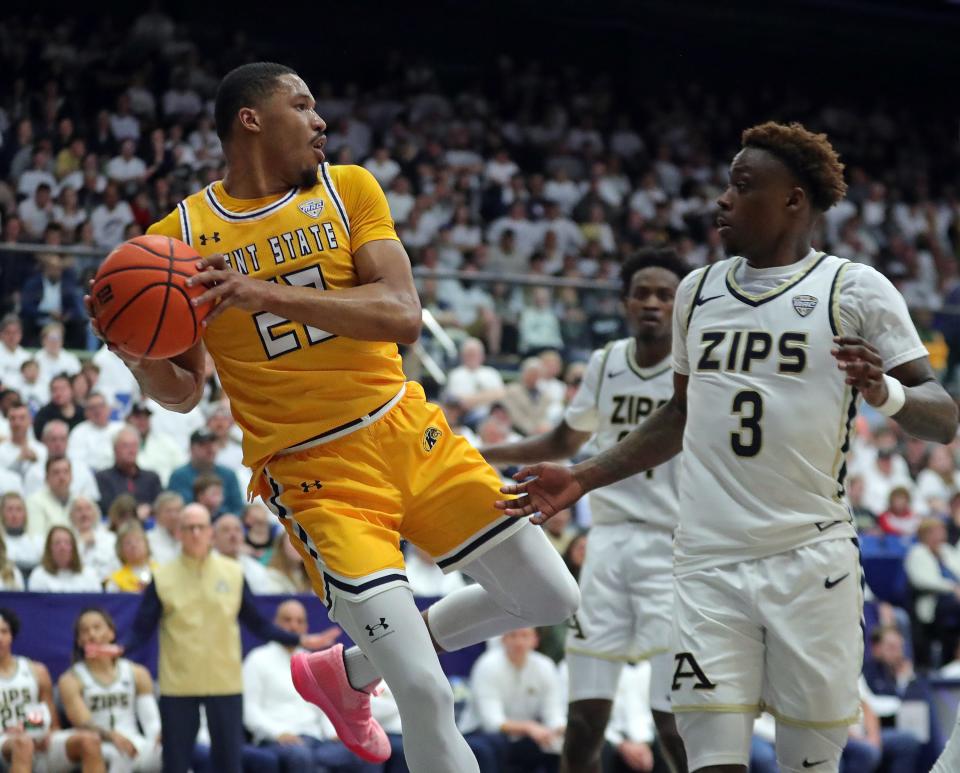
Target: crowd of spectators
[535, 172]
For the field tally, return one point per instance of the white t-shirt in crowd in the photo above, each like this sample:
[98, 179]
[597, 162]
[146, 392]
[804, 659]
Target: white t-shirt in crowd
[64, 581]
[465, 382]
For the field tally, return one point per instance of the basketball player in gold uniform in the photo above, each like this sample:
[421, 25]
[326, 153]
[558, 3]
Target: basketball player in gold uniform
[314, 291]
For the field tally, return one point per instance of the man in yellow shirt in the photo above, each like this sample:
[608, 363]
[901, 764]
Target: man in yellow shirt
[314, 291]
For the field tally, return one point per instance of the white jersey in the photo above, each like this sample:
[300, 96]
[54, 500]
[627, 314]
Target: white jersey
[617, 395]
[112, 706]
[19, 695]
[768, 412]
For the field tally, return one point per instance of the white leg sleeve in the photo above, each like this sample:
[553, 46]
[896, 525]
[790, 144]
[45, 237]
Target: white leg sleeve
[715, 738]
[522, 582]
[390, 631]
[809, 750]
[949, 761]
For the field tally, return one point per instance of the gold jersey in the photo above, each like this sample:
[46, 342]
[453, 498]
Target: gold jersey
[291, 384]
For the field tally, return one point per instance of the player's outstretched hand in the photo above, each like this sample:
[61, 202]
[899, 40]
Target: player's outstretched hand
[862, 363]
[322, 640]
[544, 490]
[227, 287]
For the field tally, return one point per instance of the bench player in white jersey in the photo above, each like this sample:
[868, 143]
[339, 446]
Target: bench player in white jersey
[626, 585]
[30, 734]
[109, 696]
[772, 349]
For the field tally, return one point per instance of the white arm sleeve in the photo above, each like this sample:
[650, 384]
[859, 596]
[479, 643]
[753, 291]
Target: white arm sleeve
[681, 313]
[582, 414]
[872, 308]
[148, 715]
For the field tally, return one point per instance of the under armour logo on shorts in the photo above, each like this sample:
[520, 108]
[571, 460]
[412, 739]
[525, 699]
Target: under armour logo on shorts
[307, 485]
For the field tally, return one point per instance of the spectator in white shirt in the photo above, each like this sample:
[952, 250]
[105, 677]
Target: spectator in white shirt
[228, 541]
[23, 548]
[180, 102]
[40, 173]
[933, 570]
[516, 695]
[124, 125]
[630, 731]
[527, 235]
[401, 200]
[561, 189]
[36, 212]
[12, 355]
[937, 484]
[21, 450]
[96, 543]
[276, 716]
[159, 452]
[381, 166]
[539, 326]
[33, 390]
[568, 234]
[51, 357]
[61, 570]
[473, 384]
[91, 441]
[501, 168]
[54, 438]
[110, 218]
[127, 167]
[50, 506]
[164, 536]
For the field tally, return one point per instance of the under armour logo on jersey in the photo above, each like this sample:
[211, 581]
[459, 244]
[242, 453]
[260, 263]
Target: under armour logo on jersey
[430, 438]
[804, 304]
[371, 629]
[313, 208]
[307, 485]
[694, 671]
[204, 238]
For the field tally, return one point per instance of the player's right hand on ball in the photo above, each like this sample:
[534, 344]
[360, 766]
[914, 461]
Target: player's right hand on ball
[544, 490]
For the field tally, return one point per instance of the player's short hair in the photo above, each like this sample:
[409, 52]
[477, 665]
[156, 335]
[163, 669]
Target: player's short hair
[12, 620]
[651, 257]
[810, 157]
[244, 86]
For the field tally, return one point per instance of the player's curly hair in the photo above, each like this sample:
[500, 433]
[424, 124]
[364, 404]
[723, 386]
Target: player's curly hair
[809, 156]
[650, 257]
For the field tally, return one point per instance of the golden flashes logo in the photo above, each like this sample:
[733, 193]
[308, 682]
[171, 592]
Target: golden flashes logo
[430, 438]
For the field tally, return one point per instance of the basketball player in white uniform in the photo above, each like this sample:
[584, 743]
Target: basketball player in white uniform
[772, 349]
[109, 695]
[30, 734]
[626, 585]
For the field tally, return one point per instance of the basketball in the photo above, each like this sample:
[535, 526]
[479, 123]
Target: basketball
[141, 300]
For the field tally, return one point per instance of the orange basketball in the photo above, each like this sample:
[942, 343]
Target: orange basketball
[141, 300]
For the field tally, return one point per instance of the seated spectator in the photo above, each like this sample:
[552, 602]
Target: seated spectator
[61, 570]
[899, 519]
[110, 217]
[112, 696]
[33, 390]
[285, 570]
[52, 358]
[425, 577]
[123, 510]
[864, 518]
[163, 537]
[938, 483]
[10, 576]
[228, 541]
[96, 543]
[50, 505]
[515, 697]
[136, 565]
[91, 441]
[12, 355]
[276, 716]
[260, 530]
[28, 689]
[933, 570]
[539, 325]
[526, 401]
[203, 451]
[126, 476]
[21, 449]
[126, 168]
[888, 671]
[54, 295]
[887, 471]
[630, 732]
[208, 491]
[36, 212]
[61, 406]
[23, 548]
[474, 385]
[158, 450]
[898, 749]
[54, 439]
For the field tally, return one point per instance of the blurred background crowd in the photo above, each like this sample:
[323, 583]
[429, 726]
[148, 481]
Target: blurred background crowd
[518, 186]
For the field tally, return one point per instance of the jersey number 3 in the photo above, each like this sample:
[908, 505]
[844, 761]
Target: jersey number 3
[748, 405]
[267, 322]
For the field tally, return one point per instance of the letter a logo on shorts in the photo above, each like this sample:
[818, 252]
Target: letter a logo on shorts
[430, 438]
[693, 671]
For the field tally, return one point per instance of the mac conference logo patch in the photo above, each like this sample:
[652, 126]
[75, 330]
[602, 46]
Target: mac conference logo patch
[430, 438]
[804, 304]
[313, 208]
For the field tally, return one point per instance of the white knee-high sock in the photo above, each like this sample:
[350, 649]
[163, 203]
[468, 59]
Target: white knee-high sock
[393, 642]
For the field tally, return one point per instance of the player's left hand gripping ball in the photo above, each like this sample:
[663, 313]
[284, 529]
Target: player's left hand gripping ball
[226, 288]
